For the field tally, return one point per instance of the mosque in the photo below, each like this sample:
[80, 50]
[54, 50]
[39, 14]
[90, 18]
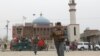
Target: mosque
[42, 26]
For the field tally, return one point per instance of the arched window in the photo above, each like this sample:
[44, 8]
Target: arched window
[74, 30]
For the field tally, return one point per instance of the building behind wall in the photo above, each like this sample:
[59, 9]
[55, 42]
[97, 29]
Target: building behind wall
[92, 36]
[40, 26]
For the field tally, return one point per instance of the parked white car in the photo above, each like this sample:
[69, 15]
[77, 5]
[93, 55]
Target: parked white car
[96, 47]
[85, 46]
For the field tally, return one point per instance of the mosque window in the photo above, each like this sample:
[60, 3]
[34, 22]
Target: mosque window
[44, 29]
[47, 29]
[41, 29]
[37, 29]
[34, 31]
[19, 30]
[74, 30]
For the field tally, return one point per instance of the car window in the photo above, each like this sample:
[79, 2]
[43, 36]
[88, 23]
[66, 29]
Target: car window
[79, 43]
[86, 43]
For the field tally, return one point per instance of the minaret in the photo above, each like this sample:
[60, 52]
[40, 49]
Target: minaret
[72, 11]
[73, 27]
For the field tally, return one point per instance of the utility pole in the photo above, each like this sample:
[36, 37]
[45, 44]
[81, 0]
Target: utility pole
[7, 30]
[5, 40]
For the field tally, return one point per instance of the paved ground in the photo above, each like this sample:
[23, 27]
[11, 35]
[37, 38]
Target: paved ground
[49, 53]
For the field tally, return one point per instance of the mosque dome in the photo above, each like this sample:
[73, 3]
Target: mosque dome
[41, 20]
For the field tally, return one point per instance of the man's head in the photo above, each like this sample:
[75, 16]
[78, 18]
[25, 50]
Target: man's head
[58, 25]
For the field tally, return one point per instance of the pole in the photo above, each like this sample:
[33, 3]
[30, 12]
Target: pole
[7, 29]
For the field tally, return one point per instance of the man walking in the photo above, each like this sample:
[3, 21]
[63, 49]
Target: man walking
[35, 43]
[58, 35]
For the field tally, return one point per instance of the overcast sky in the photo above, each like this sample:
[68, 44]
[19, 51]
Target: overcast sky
[88, 12]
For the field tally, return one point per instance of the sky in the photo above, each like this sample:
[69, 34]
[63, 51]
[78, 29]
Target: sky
[87, 14]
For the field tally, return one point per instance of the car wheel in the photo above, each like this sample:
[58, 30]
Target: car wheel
[96, 49]
[82, 49]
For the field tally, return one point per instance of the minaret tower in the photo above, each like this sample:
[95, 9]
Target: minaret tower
[72, 11]
[73, 28]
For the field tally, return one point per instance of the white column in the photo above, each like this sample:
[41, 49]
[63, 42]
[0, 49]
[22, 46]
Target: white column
[72, 17]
